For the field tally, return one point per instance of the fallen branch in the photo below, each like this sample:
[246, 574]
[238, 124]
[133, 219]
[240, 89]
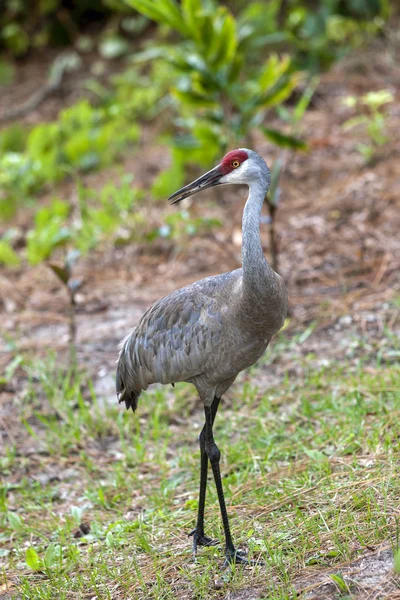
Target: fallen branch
[62, 64]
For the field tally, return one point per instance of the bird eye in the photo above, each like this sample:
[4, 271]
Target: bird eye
[235, 164]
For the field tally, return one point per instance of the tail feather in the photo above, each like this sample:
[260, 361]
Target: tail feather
[126, 392]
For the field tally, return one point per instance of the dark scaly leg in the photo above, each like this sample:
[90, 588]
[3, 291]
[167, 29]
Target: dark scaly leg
[199, 539]
[213, 453]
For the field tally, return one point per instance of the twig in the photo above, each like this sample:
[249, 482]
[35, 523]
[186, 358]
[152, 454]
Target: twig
[61, 65]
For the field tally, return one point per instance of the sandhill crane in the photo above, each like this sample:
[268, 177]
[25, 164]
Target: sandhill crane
[209, 331]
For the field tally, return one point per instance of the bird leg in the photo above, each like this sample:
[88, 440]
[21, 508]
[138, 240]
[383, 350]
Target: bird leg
[213, 453]
[199, 539]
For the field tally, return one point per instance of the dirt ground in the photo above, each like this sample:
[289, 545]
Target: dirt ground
[338, 230]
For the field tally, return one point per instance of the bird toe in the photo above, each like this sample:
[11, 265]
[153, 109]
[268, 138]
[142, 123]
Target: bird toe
[237, 557]
[199, 539]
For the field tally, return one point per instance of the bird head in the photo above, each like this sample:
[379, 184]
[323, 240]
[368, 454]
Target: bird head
[238, 166]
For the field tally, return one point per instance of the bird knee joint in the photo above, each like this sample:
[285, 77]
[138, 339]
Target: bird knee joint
[202, 439]
[213, 453]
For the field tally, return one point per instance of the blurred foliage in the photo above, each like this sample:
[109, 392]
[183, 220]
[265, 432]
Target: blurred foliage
[321, 32]
[228, 73]
[83, 138]
[221, 93]
[142, 93]
[8, 256]
[211, 75]
[372, 120]
[97, 217]
[315, 29]
[180, 225]
[7, 73]
[50, 231]
[25, 24]
[315, 32]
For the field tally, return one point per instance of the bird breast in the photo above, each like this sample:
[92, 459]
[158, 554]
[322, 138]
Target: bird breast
[236, 351]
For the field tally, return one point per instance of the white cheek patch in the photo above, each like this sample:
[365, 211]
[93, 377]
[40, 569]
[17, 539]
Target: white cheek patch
[237, 175]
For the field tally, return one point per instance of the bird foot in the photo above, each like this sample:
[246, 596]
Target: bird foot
[199, 539]
[236, 557]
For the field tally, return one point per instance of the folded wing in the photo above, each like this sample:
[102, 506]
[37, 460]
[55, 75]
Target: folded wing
[172, 342]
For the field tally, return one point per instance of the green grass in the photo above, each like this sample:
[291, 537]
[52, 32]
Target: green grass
[309, 473]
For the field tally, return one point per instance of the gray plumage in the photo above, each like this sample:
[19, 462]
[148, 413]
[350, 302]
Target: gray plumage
[209, 331]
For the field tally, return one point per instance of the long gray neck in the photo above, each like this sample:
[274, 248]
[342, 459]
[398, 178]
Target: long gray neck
[257, 274]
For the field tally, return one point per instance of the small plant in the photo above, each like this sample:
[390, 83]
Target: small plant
[83, 138]
[397, 561]
[98, 216]
[373, 121]
[340, 583]
[10, 369]
[51, 563]
[64, 274]
[8, 256]
[67, 231]
[51, 232]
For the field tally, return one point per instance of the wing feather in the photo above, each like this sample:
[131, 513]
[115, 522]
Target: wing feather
[171, 342]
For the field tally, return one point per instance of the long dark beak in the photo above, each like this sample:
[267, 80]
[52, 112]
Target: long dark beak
[205, 181]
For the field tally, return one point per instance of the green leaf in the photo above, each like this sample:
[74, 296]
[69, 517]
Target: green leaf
[283, 140]
[280, 92]
[194, 100]
[8, 256]
[397, 561]
[273, 71]
[77, 513]
[53, 557]
[376, 99]
[317, 456]
[162, 11]
[13, 139]
[314, 560]
[63, 273]
[206, 31]
[225, 48]
[32, 559]
[41, 243]
[339, 581]
[192, 10]
[148, 8]
[16, 522]
[46, 215]
[10, 370]
[50, 232]
[354, 122]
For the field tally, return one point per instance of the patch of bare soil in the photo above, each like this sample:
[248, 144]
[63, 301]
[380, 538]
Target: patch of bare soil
[370, 577]
[32, 75]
